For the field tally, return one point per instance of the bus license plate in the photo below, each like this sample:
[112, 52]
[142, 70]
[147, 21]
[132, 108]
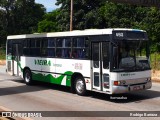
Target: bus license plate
[134, 88]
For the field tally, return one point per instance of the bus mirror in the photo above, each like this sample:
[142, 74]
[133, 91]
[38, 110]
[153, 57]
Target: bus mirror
[115, 51]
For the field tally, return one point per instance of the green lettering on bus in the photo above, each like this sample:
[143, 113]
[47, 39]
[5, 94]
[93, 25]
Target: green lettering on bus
[49, 63]
[42, 62]
[45, 62]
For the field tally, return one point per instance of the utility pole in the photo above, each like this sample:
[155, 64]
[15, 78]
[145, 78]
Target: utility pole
[71, 16]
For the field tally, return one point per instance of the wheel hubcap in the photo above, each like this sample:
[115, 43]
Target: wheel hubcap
[80, 86]
[27, 77]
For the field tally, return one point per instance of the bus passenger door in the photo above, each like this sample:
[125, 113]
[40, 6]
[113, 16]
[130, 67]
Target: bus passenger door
[100, 66]
[16, 53]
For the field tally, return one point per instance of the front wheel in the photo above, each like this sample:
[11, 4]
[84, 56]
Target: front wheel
[28, 77]
[80, 86]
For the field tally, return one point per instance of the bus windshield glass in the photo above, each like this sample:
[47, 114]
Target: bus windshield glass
[131, 55]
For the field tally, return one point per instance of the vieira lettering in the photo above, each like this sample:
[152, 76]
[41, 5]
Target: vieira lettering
[42, 62]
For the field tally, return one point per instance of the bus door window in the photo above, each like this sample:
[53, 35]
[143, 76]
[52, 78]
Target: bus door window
[105, 59]
[9, 54]
[95, 55]
[9, 47]
[105, 55]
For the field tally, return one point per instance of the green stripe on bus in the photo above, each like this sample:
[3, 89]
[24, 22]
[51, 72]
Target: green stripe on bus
[50, 79]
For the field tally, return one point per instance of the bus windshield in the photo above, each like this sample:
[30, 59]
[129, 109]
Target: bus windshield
[131, 55]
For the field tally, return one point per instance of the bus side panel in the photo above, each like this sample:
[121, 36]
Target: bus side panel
[57, 71]
[32, 64]
[69, 66]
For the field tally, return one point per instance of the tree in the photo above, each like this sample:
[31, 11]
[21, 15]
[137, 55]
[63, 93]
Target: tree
[26, 15]
[20, 16]
[152, 26]
[104, 14]
[3, 32]
[84, 12]
[49, 22]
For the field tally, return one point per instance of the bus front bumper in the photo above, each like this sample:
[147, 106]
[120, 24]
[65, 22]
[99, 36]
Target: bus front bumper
[129, 88]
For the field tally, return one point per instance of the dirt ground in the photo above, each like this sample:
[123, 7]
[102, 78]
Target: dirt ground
[2, 62]
[155, 73]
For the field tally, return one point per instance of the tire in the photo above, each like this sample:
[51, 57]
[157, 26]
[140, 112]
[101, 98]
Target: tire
[80, 86]
[28, 77]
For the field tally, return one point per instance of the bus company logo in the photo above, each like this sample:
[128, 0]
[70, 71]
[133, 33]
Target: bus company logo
[127, 74]
[42, 62]
[46, 63]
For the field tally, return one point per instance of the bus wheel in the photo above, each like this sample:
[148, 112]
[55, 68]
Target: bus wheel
[27, 77]
[80, 86]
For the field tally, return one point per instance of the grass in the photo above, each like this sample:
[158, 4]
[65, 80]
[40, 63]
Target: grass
[155, 61]
[2, 54]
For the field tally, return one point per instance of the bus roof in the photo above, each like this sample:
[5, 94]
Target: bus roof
[72, 33]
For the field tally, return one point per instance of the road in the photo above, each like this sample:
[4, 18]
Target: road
[15, 95]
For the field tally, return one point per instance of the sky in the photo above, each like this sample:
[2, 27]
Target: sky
[49, 4]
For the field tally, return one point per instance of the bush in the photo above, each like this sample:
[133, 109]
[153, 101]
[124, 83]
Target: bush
[155, 61]
[2, 53]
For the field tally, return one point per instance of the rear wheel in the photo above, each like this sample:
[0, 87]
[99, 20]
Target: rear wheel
[80, 86]
[28, 77]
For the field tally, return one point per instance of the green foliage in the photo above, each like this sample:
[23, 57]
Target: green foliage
[49, 22]
[24, 16]
[155, 61]
[19, 17]
[89, 14]
[85, 14]
[2, 54]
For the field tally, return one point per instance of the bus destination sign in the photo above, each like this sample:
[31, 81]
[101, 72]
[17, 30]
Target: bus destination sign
[129, 35]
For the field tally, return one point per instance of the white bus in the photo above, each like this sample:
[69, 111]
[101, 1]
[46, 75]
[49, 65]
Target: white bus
[110, 61]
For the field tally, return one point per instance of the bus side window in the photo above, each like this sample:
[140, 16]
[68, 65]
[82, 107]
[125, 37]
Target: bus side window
[48, 47]
[51, 47]
[59, 52]
[81, 53]
[35, 47]
[26, 47]
[51, 52]
[63, 47]
[80, 48]
[66, 53]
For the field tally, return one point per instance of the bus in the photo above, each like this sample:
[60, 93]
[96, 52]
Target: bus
[111, 61]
